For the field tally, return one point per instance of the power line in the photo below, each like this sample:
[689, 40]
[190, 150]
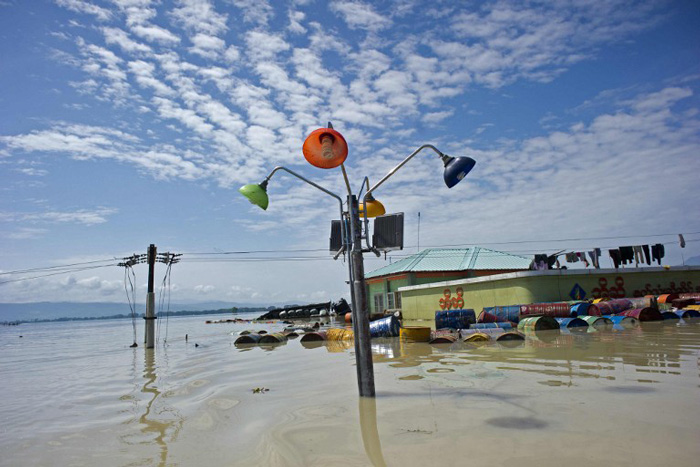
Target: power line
[57, 273]
[48, 268]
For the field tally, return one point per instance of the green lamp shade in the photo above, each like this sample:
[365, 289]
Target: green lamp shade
[256, 194]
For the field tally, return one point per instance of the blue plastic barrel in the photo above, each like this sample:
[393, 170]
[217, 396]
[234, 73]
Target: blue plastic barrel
[508, 313]
[580, 309]
[685, 314]
[572, 324]
[625, 322]
[385, 327]
[507, 326]
[454, 319]
[669, 315]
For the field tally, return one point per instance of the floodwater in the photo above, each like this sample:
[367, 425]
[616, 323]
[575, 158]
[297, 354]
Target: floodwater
[75, 393]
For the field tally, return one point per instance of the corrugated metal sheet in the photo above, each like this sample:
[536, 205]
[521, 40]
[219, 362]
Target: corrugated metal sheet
[454, 259]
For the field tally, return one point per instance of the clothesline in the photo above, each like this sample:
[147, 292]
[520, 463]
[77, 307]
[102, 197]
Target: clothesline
[634, 254]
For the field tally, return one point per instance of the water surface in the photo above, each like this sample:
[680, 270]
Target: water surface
[75, 393]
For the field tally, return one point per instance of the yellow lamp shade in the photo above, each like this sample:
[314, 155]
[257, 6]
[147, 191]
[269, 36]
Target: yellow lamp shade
[374, 208]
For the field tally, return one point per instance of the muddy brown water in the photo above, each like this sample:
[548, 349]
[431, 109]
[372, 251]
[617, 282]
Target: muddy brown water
[76, 394]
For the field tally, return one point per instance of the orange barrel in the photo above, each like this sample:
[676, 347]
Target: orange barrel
[348, 317]
[668, 298]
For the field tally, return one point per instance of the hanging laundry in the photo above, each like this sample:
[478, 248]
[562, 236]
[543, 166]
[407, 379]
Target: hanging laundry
[681, 240]
[647, 256]
[657, 252]
[595, 255]
[626, 254]
[582, 256]
[638, 254]
[540, 262]
[551, 261]
[571, 258]
[616, 257]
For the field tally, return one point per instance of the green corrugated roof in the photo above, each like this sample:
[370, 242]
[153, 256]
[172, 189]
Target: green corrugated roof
[453, 259]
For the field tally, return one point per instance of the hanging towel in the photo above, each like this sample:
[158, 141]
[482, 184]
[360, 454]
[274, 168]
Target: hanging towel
[657, 252]
[647, 256]
[616, 257]
[540, 262]
[571, 258]
[681, 240]
[594, 259]
[582, 255]
[638, 254]
[627, 254]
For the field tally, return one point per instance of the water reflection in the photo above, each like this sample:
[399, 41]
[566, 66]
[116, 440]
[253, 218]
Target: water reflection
[157, 423]
[651, 349]
[370, 434]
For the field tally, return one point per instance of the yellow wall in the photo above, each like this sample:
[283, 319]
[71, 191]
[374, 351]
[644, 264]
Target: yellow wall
[421, 302]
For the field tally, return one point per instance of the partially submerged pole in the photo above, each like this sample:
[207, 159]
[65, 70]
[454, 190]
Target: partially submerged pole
[150, 299]
[360, 314]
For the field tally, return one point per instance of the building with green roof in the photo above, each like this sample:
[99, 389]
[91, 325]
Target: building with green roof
[436, 265]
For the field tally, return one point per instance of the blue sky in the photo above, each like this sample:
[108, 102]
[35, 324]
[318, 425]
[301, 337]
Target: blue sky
[130, 122]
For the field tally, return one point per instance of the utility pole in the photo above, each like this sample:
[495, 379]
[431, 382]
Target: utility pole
[150, 299]
[360, 313]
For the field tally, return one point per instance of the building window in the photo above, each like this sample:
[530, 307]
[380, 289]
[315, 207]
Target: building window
[390, 301]
[397, 300]
[378, 302]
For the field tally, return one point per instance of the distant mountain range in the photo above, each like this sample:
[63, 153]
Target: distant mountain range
[54, 310]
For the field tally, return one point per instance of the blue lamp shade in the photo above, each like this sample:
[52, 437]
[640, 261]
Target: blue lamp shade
[456, 168]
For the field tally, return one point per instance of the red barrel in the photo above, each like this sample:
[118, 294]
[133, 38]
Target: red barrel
[486, 317]
[683, 302]
[614, 307]
[643, 314]
[555, 310]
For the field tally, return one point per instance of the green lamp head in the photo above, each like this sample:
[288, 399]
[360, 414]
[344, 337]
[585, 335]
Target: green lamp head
[256, 194]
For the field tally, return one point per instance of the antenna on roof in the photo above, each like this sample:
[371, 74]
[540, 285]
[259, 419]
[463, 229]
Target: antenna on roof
[418, 232]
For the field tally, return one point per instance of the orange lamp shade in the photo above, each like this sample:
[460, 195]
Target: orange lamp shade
[325, 148]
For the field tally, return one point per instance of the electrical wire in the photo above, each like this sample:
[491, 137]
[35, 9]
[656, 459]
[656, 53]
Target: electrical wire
[56, 273]
[130, 276]
[48, 268]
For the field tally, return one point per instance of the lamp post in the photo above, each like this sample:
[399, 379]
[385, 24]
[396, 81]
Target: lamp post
[326, 148]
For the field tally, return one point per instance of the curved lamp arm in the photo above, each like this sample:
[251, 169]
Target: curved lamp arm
[401, 164]
[319, 187]
[391, 172]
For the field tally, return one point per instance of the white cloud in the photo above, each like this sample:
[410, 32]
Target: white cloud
[82, 6]
[200, 16]
[255, 11]
[359, 15]
[121, 38]
[83, 216]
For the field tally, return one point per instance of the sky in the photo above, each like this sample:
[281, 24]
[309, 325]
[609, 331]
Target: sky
[130, 122]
